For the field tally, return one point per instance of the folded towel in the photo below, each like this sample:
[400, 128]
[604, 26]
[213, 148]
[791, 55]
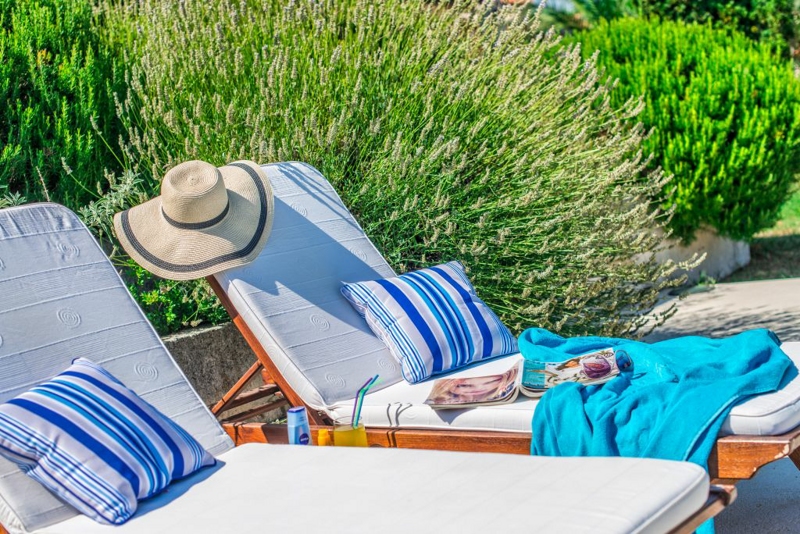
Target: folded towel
[671, 405]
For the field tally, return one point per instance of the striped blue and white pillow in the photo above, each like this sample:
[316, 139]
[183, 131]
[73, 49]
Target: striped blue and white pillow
[432, 320]
[95, 443]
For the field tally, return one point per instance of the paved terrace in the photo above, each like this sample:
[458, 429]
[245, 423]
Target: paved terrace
[770, 502]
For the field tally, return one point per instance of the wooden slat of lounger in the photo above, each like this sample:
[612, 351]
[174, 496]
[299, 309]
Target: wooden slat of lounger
[255, 394]
[252, 412]
[402, 438]
[235, 391]
[740, 457]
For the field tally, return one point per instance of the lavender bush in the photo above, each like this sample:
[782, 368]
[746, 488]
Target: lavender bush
[451, 132]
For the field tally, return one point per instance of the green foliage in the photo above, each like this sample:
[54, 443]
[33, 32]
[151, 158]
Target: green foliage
[768, 21]
[11, 199]
[585, 14]
[57, 79]
[725, 113]
[54, 79]
[773, 22]
[789, 218]
[171, 305]
[452, 132]
[790, 213]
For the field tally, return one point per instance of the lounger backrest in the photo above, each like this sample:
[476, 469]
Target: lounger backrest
[61, 298]
[290, 295]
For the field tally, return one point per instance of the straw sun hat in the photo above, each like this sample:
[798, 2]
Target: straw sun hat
[206, 219]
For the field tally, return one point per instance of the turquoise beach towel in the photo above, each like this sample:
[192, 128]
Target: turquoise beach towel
[671, 405]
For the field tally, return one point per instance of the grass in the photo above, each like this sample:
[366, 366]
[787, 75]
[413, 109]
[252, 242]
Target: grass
[789, 223]
[775, 253]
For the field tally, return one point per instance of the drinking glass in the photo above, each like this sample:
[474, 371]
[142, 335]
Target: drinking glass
[346, 435]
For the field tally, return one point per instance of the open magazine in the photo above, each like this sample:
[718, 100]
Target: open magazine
[476, 390]
[530, 377]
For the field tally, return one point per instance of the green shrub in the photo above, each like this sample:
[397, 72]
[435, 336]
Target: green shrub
[170, 305]
[725, 113]
[768, 21]
[584, 14]
[451, 132]
[54, 76]
[772, 22]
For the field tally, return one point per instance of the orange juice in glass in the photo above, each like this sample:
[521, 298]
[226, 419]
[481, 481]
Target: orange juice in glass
[346, 435]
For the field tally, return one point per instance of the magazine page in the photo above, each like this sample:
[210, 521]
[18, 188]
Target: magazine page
[588, 369]
[474, 391]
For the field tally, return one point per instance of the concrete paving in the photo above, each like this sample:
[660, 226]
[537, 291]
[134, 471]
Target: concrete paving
[729, 309]
[770, 502]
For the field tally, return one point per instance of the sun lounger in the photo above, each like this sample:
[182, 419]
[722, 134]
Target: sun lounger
[60, 298]
[287, 304]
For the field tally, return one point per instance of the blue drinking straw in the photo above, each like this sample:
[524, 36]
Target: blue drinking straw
[360, 399]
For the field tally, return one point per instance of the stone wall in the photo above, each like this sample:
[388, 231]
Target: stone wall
[723, 255]
[213, 358]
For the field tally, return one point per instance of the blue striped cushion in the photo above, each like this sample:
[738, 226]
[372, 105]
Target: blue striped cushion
[431, 320]
[95, 443]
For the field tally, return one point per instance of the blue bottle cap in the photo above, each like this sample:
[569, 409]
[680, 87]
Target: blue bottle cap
[296, 415]
[623, 360]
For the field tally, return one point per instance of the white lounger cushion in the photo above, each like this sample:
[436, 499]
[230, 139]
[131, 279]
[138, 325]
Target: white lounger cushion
[290, 489]
[290, 298]
[402, 405]
[60, 299]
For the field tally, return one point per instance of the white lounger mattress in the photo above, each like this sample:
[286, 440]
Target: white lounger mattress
[272, 488]
[402, 405]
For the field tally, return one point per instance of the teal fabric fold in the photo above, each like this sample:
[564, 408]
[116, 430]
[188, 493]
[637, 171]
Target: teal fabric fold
[670, 406]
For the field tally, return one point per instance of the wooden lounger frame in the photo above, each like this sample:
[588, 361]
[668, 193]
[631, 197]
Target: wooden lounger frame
[733, 458]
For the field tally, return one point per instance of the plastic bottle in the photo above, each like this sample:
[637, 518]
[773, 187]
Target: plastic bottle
[324, 438]
[299, 432]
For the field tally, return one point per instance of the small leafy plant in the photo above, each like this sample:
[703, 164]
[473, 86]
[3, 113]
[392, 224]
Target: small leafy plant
[171, 305]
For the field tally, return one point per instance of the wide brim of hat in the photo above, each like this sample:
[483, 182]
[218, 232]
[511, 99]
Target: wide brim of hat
[182, 254]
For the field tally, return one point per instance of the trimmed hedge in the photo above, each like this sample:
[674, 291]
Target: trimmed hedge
[768, 21]
[725, 113]
[772, 22]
